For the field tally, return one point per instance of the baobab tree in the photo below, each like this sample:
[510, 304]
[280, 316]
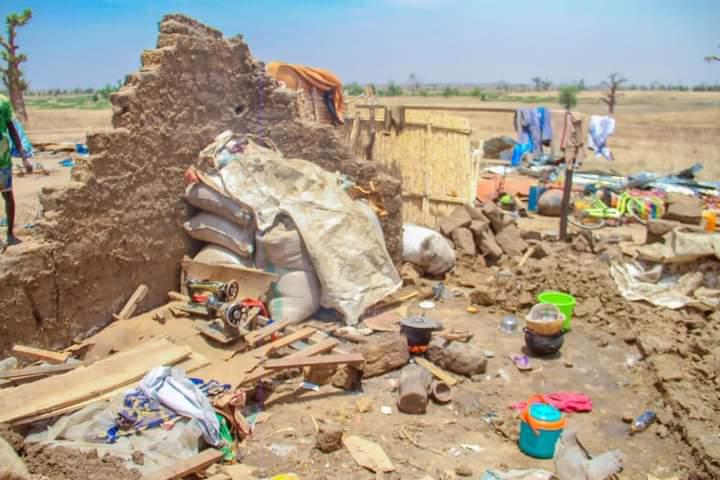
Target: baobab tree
[12, 75]
[612, 84]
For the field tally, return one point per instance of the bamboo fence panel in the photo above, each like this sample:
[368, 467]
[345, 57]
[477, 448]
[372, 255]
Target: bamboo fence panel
[431, 155]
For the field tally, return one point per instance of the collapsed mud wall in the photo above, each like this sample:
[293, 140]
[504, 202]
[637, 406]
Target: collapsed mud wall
[119, 223]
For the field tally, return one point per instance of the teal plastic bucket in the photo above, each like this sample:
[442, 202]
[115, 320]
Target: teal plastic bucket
[540, 429]
[563, 301]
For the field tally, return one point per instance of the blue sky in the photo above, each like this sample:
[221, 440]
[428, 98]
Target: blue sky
[80, 43]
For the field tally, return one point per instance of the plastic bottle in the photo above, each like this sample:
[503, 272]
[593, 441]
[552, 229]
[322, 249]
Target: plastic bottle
[643, 421]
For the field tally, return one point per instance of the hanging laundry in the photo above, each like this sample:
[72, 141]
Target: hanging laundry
[599, 129]
[546, 132]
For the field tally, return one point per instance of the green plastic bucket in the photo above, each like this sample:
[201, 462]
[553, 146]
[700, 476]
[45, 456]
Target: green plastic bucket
[563, 301]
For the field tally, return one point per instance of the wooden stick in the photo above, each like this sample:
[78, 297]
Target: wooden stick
[527, 255]
[188, 466]
[40, 354]
[129, 309]
[351, 358]
[39, 371]
[178, 297]
[436, 371]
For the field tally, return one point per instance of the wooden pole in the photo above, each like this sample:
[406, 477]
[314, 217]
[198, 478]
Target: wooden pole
[574, 142]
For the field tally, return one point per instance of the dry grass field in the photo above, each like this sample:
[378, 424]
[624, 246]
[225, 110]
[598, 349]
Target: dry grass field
[655, 131]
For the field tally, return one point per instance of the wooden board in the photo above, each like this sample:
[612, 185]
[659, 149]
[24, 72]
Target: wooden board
[195, 362]
[253, 283]
[38, 371]
[285, 341]
[352, 358]
[183, 468]
[436, 371]
[129, 309]
[88, 382]
[320, 347]
[255, 336]
[40, 354]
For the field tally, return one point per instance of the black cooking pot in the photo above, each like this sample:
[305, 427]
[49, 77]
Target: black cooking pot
[542, 345]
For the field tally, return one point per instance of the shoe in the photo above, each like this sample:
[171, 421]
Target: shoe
[12, 240]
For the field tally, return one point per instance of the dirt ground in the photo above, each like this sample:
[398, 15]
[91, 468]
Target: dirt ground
[613, 354]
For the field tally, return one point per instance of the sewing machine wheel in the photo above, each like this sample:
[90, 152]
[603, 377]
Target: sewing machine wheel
[231, 290]
[234, 315]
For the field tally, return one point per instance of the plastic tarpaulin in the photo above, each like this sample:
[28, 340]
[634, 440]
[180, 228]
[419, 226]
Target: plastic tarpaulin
[348, 254]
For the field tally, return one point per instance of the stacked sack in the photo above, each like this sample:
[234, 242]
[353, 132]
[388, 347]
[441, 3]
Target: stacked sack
[229, 230]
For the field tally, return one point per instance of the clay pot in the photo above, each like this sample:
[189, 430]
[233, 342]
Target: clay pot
[543, 345]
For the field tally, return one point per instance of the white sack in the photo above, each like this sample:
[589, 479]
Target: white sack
[207, 198]
[298, 296]
[427, 249]
[210, 228]
[217, 255]
[284, 249]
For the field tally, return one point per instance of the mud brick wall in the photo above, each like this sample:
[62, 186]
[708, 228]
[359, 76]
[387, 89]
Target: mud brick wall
[119, 223]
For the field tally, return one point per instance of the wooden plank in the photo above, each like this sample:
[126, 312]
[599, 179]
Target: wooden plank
[255, 336]
[285, 341]
[320, 347]
[178, 297]
[40, 354]
[195, 362]
[436, 371]
[253, 283]
[129, 309]
[352, 358]
[67, 389]
[449, 108]
[191, 465]
[39, 371]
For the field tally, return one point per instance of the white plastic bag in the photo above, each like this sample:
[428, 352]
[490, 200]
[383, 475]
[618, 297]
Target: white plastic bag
[210, 228]
[427, 249]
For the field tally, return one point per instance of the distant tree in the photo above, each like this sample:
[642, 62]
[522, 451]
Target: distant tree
[414, 83]
[392, 90]
[503, 86]
[12, 75]
[612, 84]
[581, 85]
[546, 84]
[538, 82]
[712, 58]
[568, 96]
[354, 89]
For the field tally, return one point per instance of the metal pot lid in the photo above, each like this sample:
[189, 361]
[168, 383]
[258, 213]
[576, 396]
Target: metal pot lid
[422, 323]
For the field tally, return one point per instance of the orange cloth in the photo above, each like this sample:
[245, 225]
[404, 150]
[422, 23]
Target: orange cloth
[319, 78]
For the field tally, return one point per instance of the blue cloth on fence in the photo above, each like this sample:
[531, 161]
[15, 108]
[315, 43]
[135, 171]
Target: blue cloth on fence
[26, 145]
[545, 126]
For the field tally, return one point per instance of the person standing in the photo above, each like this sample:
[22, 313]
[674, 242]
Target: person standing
[9, 133]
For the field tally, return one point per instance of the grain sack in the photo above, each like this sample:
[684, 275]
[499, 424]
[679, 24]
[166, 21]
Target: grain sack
[206, 198]
[298, 296]
[550, 203]
[215, 254]
[216, 230]
[427, 249]
[284, 249]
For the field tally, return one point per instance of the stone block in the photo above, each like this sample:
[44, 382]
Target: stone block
[511, 241]
[457, 357]
[457, 219]
[464, 241]
[489, 247]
